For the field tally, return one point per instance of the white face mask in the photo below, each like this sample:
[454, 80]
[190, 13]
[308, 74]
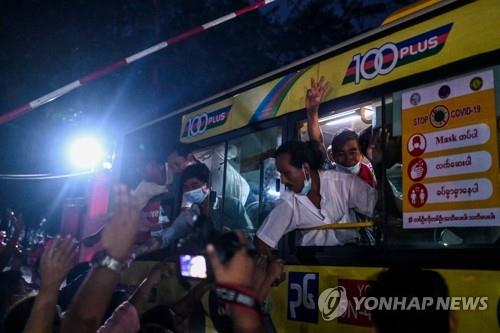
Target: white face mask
[307, 184]
[352, 170]
[198, 195]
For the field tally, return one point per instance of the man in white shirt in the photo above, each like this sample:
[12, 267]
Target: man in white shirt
[154, 179]
[315, 198]
[153, 172]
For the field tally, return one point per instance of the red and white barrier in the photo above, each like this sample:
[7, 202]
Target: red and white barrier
[6, 117]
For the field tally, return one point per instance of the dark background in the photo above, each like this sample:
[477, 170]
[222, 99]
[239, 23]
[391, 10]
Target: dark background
[45, 44]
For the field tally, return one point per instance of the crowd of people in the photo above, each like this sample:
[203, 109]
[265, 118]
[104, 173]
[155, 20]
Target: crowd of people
[91, 301]
[323, 186]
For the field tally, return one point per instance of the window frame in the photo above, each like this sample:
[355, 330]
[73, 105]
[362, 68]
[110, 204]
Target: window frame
[384, 254]
[279, 122]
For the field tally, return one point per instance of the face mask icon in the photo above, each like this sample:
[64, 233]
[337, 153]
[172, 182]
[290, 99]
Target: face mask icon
[416, 142]
[416, 145]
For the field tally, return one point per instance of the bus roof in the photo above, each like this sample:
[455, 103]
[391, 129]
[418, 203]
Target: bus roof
[418, 43]
[410, 9]
[397, 18]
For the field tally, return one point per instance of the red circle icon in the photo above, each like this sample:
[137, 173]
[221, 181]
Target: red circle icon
[417, 169]
[439, 116]
[417, 195]
[417, 144]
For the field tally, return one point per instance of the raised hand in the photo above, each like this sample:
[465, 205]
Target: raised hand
[118, 235]
[316, 93]
[238, 271]
[57, 260]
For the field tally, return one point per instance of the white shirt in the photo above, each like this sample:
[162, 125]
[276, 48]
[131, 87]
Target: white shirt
[339, 192]
[146, 190]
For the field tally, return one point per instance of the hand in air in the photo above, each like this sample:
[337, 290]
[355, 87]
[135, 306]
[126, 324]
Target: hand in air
[118, 235]
[316, 93]
[238, 271]
[57, 260]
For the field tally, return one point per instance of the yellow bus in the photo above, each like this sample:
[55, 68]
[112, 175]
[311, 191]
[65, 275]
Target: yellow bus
[427, 82]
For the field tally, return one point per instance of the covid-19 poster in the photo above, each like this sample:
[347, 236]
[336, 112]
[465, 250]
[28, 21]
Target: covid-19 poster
[450, 154]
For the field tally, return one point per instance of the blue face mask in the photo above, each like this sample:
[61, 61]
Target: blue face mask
[307, 185]
[353, 170]
[198, 195]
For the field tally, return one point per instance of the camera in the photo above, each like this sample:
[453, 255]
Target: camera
[195, 265]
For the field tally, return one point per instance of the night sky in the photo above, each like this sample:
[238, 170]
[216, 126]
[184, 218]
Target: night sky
[46, 44]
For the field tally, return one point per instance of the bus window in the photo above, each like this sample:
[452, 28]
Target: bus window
[251, 168]
[356, 119]
[362, 120]
[213, 158]
[440, 193]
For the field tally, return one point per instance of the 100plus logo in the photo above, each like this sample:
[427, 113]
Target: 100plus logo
[384, 59]
[198, 124]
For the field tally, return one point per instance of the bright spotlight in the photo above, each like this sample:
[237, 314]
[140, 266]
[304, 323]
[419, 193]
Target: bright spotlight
[86, 153]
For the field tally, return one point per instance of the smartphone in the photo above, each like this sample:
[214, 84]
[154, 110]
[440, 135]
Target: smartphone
[193, 266]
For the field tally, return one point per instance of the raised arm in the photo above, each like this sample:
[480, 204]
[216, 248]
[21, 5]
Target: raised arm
[237, 275]
[314, 97]
[125, 318]
[88, 308]
[55, 264]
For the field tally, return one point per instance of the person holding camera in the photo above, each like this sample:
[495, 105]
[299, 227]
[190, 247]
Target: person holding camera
[241, 287]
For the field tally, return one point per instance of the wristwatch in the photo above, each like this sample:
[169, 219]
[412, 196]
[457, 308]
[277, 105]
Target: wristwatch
[103, 259]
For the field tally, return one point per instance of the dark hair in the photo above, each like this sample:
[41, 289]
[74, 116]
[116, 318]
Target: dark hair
[365, 139]
[197, 170]
[410, 282]
[302, 152]
[341, 138]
